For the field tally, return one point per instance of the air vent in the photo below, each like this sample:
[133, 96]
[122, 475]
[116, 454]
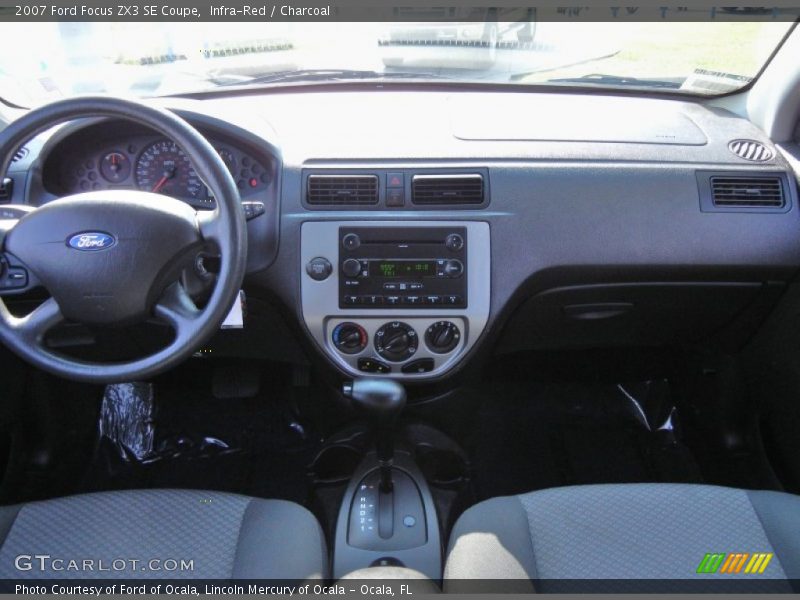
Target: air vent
[19, 154]
[342, 190]
[751, 150]
[747, 192]
[447, 189]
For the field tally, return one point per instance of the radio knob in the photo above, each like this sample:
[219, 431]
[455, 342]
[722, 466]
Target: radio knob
[454, 269]
[396, 341]
[351, 241]
[454, 242]
[351, 267]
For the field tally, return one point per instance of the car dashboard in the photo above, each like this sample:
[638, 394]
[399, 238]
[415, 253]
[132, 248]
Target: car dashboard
[408, 232]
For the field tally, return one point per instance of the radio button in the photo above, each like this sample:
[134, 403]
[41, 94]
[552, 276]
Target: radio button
[433, 300]
[412, 300]
[392, 300]
[416, 286]
[350, 300]
[372, 300]
[452, 300]
[390, 287]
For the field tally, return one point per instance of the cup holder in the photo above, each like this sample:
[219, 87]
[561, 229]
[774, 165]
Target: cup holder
[443, 468]
[335, 464]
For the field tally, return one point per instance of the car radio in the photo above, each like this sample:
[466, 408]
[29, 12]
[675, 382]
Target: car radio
[398, 267]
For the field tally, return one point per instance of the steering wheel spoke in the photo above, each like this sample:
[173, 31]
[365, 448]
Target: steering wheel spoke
[34, 326]
[209, 225]
[177, 308]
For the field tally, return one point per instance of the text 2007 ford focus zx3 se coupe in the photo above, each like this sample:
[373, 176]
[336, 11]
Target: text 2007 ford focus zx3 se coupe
[345, 303]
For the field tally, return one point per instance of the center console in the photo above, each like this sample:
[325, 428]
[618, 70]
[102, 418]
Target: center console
[388, 516]
[395, 299]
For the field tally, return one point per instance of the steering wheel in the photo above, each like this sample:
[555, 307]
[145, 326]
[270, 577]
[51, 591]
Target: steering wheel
[114, 258]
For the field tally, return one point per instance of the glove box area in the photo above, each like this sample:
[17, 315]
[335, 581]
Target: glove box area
[638, 314]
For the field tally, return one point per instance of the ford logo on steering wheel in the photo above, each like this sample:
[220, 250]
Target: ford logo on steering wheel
[89, 241]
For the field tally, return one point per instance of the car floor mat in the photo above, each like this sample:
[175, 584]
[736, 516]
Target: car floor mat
[174, 434]
[531, 436]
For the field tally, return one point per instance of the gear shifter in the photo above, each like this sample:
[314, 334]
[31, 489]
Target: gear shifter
[381, 401]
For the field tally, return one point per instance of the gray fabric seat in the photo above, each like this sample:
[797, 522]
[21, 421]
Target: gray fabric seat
[636, 531]
[225, 536]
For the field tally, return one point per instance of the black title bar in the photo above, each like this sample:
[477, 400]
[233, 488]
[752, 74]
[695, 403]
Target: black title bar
[255, 11]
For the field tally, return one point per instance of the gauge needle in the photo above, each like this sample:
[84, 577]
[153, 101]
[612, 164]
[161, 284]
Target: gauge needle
[160, 183]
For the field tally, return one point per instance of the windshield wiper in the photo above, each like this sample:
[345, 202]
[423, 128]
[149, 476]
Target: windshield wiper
[314, 75]
[611, 80]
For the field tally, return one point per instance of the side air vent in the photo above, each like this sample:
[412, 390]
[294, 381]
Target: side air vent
[342, 190]
[749, 192]
[751, 150]
[447, 189]
[19, 155]
[745, 191]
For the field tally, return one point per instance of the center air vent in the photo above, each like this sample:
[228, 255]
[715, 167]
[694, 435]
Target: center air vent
[751, 150]
[752, 192]
[447, 189]
[342, 190]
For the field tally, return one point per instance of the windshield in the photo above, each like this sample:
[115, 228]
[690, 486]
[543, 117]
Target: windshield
[151, 59]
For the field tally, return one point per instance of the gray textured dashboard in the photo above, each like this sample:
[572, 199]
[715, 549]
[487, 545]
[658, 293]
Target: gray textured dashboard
[587, 206]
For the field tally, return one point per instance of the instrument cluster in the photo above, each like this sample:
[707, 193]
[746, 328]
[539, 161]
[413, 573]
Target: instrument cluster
[155, 164]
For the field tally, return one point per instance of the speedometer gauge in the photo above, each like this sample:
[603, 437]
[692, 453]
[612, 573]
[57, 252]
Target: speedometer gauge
[163, 168]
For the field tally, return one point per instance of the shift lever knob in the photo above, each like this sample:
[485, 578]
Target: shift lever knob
[381, 400]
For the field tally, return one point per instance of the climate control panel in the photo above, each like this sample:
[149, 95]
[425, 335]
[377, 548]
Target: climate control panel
[411, 346]
[396, 299]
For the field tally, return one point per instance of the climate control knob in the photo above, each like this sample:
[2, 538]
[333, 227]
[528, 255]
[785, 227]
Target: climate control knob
[396, 341]
[442, 337]
[349, 338]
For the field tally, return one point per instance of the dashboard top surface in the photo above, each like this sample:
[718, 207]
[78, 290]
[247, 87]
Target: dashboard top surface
[407, 125]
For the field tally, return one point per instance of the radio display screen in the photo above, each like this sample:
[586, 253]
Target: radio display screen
[402, 268]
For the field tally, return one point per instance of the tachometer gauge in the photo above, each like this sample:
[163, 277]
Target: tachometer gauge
[163, 168]
[115, 167]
